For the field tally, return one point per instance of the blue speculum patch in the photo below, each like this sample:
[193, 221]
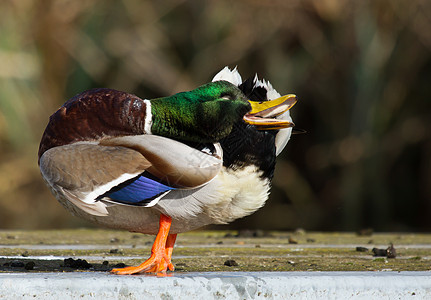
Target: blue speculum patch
[139, 191]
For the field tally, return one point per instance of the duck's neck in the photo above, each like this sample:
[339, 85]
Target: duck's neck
[247, 146]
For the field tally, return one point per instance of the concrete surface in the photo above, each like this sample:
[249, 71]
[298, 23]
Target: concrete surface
[304, 265]
[218, 285]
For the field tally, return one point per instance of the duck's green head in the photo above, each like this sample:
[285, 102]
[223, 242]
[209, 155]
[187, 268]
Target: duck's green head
[206, 114]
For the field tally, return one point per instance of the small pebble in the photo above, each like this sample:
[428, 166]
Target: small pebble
[113, 251]
[219, 243]
[24, 254]
[120, 265]
[292, 240]
[391, 252]
[311, 240]
[230, 263]
[114, 240]
[105, 263]
[30, 265]
[379, 252]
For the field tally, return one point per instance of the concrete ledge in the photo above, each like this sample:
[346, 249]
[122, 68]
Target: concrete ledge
[218, 285]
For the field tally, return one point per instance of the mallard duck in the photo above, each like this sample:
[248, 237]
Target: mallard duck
[166, 165]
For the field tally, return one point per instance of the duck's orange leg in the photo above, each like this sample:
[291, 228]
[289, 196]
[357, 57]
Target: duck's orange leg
[161, 253]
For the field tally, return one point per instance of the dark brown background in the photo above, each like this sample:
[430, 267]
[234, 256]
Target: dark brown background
[361, 70]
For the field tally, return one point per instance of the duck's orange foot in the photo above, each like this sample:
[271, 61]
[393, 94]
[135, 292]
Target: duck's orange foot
[161, 253]
[155, 264]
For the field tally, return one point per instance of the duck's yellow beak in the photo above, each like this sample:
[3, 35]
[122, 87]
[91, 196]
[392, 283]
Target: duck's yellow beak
[263, 114]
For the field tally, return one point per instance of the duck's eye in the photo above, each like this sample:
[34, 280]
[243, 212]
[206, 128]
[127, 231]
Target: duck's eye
[226, 96]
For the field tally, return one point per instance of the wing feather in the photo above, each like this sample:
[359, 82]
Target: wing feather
[130, 170]
[83, 171]
[175, 163]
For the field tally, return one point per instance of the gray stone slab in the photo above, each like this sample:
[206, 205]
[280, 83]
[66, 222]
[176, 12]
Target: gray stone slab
[218, 285]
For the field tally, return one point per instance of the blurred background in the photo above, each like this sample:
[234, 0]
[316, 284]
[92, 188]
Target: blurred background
[361, 70]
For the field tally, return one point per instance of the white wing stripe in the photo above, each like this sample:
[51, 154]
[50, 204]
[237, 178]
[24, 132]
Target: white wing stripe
[101, 189]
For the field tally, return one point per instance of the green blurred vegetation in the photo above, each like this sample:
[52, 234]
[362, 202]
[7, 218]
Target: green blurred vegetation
[361, 69]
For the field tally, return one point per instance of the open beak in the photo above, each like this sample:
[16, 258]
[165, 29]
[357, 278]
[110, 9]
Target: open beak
[263, 114]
